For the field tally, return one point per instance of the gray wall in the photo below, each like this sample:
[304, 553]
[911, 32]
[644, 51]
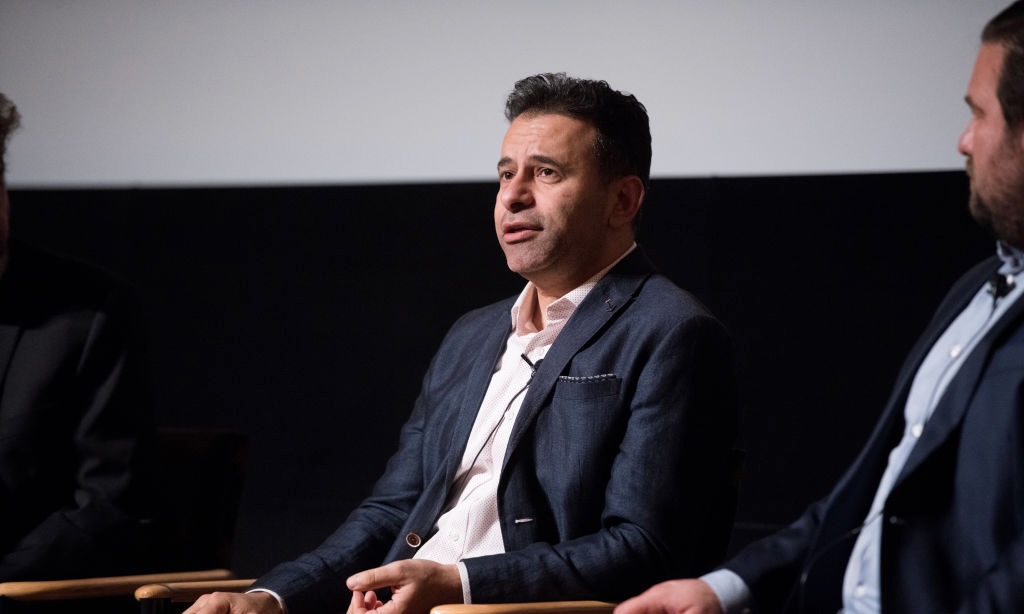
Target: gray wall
[193, 92]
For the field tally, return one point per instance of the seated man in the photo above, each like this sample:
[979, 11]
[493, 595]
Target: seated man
[73, 417]
[544, 456]
[930, 517]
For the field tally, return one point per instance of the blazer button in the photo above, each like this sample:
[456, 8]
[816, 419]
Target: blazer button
[413, 540]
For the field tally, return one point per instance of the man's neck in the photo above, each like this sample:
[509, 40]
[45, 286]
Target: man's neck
[542, 297]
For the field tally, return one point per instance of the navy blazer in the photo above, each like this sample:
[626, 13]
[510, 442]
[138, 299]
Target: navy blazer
[953, 532]
[622, 438]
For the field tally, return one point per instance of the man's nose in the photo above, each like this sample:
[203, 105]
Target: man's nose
[966, 141]
[516, 194]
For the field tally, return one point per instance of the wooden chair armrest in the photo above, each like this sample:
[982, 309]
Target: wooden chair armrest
[537, 607]
[110, 586]
[179, 592]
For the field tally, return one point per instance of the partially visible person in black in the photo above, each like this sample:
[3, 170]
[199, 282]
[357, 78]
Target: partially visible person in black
[75, 421]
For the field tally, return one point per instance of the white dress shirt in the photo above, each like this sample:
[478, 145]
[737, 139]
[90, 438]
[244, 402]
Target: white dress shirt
[468, 526]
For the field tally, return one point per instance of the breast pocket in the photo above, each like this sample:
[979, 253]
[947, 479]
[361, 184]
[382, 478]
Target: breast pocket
[585, 404]
[572, 387]
[578, 438]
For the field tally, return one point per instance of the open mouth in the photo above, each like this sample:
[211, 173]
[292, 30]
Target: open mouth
[518, 232]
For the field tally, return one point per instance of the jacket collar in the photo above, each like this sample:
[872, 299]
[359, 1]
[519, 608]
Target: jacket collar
[610, 296]
[953, 405]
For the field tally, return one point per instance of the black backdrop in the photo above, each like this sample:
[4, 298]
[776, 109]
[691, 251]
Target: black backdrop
[305, 316]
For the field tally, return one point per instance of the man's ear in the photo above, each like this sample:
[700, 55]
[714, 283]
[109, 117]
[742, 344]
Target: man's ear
[629, 194]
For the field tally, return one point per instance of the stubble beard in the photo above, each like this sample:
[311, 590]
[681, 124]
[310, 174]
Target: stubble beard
[1002, 214]
[526, 257]
[1000, 210]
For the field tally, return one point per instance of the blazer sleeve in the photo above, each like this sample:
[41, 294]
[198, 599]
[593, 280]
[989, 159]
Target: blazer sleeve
[821, 539]
[771, 567]
[1001, 587]
[315, 581]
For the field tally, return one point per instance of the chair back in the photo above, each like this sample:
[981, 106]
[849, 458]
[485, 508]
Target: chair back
[201, 472]
[198, 486]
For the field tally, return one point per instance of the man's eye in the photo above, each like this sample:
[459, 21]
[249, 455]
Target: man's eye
[546, 172]
[505, 175]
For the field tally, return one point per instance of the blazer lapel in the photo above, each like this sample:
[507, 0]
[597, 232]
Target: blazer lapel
[608, 297]
[952, 406]
[855, 490]
[478, 381]
[957, 300]
[438, 488]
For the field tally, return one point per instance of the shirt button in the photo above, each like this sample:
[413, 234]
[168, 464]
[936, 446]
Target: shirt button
[955, 350]
[413, 540]
[917, 429]
[860, 591]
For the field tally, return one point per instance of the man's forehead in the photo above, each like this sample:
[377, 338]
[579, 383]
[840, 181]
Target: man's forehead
[984, 79]
[546, 134]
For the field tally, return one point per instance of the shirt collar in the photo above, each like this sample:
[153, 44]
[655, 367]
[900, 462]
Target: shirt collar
[1013, 258]
[559, 310]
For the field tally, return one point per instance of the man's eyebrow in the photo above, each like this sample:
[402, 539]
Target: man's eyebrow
[545, 160]
[536, 159]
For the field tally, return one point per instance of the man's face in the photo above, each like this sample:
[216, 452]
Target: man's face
[554, 210]
[995, 154]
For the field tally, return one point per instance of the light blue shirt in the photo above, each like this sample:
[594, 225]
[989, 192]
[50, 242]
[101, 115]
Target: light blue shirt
[861, 583]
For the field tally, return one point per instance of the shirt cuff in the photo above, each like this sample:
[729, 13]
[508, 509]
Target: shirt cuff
[464, 574]
[276, 597]
[732, 592]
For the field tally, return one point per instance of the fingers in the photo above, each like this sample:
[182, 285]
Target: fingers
[363, 602]
[636, 605]
[213, 603]
[357, 605]
[416, 586]
[378, 577]
[371, 602]
[674, 596]
[197, 605]
[235, 603]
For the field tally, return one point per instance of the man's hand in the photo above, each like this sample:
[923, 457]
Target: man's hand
[363, 603]
[673, 597]
[416, 586]
[235, 603]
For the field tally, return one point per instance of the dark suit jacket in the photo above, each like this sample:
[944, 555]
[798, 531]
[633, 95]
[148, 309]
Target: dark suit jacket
[952, 535]
[71, 415]
[621, 441]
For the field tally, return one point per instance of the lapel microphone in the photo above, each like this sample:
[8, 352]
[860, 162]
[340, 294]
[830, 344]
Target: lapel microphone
[998, 286]
[461, 482]
[533, 365]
